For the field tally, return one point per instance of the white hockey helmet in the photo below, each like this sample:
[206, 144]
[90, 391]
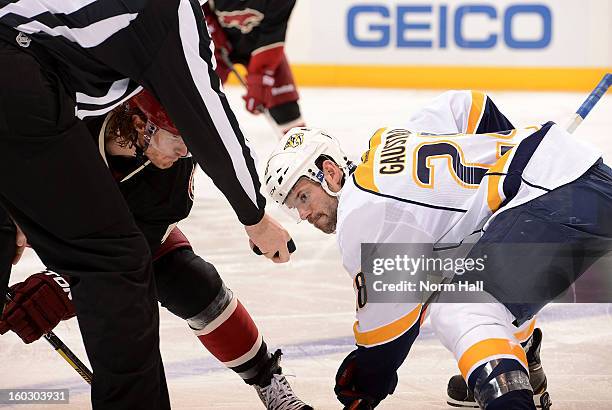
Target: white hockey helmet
[299, 154]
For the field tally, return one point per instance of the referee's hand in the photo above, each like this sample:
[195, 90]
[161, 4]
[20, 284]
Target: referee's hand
[271, 238]
[21, 242]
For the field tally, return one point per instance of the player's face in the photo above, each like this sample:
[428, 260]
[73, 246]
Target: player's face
[165, 148]
[314, 205]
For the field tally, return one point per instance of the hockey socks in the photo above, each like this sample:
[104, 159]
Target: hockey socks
[227, 330]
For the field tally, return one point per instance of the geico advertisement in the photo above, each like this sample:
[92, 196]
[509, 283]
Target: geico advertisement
[516, 33]
[473, 26]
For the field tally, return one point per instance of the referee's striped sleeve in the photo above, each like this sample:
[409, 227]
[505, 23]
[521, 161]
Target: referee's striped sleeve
[211, 129]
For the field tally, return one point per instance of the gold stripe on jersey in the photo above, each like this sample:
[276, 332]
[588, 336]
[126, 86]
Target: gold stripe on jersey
[364, 174]
[523, 335]
[476, 111]
[490, 349]
[387, 332]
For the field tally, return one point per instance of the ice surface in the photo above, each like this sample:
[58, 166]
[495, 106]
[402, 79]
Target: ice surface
[306, 307]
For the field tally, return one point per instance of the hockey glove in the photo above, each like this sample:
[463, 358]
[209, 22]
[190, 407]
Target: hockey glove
[38, 304]
[355, 389]
[260, 77]
[259, 92]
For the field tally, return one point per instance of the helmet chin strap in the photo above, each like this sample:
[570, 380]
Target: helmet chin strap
[150, 129]
[346, 172]
[329, 191]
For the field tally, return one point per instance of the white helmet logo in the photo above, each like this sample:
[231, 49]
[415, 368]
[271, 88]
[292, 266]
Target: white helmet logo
[295, 140]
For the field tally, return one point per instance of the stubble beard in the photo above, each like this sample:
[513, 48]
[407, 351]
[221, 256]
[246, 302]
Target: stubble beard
[327, 222]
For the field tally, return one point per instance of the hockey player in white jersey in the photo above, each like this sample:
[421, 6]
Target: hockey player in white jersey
[421, 188]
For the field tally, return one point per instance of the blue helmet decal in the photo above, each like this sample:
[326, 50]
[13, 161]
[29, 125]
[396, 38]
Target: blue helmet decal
[320, 176]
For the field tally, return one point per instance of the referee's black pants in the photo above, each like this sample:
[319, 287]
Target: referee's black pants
[55, 185]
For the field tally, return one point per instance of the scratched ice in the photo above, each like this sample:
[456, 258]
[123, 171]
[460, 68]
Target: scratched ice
[306, 307]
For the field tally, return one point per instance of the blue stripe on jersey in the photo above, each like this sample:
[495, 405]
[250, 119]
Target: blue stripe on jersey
[522, 156]
[444, 208]
[378, 364]
[493, 120]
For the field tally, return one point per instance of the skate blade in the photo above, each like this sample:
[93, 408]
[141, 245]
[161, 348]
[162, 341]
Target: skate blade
[460, 403]
[537, 400]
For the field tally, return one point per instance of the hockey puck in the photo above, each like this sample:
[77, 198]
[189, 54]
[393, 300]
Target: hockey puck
[290, 246]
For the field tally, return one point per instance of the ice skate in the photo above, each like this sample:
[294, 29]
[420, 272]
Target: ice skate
[274, 389]
[460, 396]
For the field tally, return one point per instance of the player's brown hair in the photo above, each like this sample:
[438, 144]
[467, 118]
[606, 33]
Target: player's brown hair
[120, 126]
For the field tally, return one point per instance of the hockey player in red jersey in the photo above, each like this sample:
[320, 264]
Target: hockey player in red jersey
[447, 178]
[252, 33]
[154, 170]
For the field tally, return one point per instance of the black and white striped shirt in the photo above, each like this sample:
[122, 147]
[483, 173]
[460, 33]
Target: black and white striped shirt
[105, 50]
[75, 25]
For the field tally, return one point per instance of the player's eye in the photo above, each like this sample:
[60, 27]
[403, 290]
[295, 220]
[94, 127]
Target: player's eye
[303, 198]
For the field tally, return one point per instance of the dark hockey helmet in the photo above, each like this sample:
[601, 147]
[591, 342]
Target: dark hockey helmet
[156, 115]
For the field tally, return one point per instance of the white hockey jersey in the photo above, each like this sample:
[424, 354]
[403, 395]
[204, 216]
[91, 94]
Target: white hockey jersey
[442, 178]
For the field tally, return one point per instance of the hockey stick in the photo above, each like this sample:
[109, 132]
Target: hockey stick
[64, 351]
[590, 102]
[266, 113]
